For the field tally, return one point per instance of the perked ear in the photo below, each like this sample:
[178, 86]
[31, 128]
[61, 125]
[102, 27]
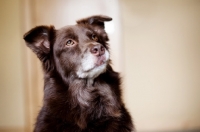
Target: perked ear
[38, 39]
[95, 20]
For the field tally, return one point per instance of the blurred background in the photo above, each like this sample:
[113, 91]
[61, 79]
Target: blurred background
[155, 45]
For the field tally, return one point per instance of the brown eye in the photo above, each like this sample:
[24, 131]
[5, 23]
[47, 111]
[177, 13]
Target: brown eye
[94, 37]
[70, 42]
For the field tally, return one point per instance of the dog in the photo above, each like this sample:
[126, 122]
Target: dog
[81, 90]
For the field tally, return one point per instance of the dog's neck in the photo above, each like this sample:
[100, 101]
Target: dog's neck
[90, 82]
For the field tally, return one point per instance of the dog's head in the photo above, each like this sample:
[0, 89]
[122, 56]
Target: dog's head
[79, 50]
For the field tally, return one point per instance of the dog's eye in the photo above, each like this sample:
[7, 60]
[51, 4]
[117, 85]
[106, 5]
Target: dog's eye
[70, 42]
[94, 37]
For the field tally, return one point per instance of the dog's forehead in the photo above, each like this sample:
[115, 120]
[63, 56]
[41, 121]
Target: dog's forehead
[73, 29]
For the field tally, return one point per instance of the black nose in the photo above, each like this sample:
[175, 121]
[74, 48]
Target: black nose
[97, 50]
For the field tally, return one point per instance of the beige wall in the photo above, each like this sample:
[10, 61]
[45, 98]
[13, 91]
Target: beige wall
[160, 56]
[11, 83]
[162, 63]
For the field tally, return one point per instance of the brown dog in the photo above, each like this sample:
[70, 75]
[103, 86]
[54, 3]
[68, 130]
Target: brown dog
[81, 90]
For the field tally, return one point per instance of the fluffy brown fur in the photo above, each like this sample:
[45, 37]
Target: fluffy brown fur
[81, 90]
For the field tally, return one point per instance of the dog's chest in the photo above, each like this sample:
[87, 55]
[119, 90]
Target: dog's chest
[99, 99]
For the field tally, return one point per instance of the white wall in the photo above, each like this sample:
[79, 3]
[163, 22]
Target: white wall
[162, 63]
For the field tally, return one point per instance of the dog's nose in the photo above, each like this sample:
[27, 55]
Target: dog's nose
[97, 50]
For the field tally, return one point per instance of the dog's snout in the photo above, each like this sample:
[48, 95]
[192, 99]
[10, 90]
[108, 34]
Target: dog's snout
[97, 50]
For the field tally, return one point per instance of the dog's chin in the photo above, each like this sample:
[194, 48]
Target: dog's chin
[93, 72]
[92, 66]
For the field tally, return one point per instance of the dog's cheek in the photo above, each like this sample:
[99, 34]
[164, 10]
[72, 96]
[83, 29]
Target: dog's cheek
[88, 62]
[85, 65]
[107, 55]
[65, 64]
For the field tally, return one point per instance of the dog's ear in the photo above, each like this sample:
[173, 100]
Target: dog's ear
[38, 39]
[95, 20]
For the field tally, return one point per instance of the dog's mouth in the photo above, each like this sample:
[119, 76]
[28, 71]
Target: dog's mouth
[100, 61]
[92, 66]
